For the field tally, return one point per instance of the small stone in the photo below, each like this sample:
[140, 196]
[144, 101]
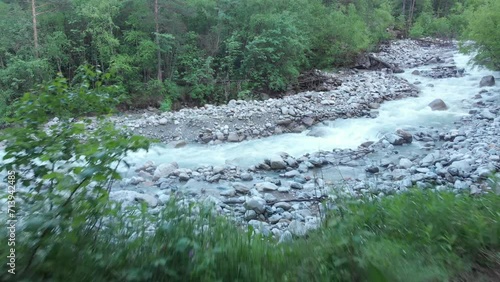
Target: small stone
[372, 169]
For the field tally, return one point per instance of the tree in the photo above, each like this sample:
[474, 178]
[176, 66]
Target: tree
[484, 31]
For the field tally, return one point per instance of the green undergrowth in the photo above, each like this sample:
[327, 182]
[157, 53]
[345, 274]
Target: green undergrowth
[417, 236]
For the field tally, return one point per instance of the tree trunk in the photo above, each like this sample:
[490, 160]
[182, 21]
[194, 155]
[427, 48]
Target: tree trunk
[410, 16]
[35, 29]
[157, 39]
[403, 11]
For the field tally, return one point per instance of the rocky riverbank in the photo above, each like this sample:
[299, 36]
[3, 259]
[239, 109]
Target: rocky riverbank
[280, 195]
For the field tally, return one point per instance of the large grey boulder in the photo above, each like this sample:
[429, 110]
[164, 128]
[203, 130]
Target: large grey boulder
[276, 162]
[164, 170]
[488, 80]
[256, 204]
[438, 105]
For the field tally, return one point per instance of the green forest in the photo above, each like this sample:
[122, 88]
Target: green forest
[171, 54]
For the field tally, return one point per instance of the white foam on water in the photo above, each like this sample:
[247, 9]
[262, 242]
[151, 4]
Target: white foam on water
[341, 133]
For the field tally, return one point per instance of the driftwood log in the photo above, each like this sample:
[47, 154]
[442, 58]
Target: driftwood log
[315, 80]
[370, 62]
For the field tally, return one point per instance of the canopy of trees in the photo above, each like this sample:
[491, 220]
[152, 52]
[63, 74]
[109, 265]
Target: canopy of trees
[190, 52]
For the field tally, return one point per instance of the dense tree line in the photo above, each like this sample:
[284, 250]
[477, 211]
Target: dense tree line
[176, 52]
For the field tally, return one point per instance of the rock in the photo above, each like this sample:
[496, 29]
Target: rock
[460, 168]
[407, 137]
[265, 186]
[486, 114]
[438, 105]
[256, 204]
[233, 137]
[318, 132]
[178, 144]
[405, 163]
[372, 169]
[308, 121]
[297, 228]
[274, 218]
[163, 121]
[460, 185]
[283, 205]
[430, 159]
[250, 214]
[292, 173]
[374, 105]
[488, 80]
[285, 237]
[183, 176]
[245, 176]
[415, 72]
[395, 139]
[276, 162]
[295, 185]
[241, 188]
[228, 193]
[164, 170]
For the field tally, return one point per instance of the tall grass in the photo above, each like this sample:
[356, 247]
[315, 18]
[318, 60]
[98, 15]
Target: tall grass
[417, 236]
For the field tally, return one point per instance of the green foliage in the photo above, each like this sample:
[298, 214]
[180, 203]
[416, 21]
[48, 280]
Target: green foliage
[68, 169]
[483, 29]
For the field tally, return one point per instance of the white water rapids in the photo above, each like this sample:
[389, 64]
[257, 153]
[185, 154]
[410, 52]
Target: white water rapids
[340, 133]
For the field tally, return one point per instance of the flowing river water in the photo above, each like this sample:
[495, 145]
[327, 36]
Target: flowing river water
[340, 133]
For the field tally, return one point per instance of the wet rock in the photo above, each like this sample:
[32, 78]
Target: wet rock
[488, 80]
[276, 162]
[395, 139]
[438, 105]
[407, 137]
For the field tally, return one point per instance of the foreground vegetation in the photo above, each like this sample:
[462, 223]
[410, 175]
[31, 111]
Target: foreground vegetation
[418, 236]
[190, 52]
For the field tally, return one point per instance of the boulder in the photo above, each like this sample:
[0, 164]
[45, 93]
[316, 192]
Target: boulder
[438, 105]
[164, 170]
[407, 137]
[233, 137]
[256, 204]
[276, 162]
[266, 186]
[395, 139]
[488, 80]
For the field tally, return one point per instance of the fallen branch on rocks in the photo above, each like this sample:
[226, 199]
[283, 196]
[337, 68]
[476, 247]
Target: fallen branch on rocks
[314, 199]
[371, 62]
[315, 80]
